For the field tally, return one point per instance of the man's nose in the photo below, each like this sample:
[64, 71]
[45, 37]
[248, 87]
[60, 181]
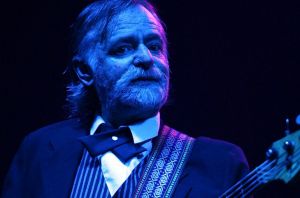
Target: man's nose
[143, 57]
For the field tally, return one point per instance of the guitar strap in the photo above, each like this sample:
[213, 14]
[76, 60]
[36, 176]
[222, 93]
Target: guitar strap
[165, 164]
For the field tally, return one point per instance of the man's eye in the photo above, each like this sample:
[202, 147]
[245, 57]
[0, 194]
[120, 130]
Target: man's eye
[155, 47]
[122, 50]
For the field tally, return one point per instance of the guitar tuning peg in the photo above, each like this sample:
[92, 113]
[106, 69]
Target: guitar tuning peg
[271, 154]
[289, 146]
[298, 120]
[287, 126]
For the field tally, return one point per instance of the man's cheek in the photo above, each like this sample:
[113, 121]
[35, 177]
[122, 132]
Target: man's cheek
[120, 63]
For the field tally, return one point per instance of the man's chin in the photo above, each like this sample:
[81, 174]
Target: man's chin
[146, 96]
[144, 102]
[134, 105]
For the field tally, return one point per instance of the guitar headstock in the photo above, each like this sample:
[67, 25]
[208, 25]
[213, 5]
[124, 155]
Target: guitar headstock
[283, 164]
[285, 153]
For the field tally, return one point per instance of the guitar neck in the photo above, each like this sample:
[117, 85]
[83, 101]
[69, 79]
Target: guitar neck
[283, 164]
[246, 186]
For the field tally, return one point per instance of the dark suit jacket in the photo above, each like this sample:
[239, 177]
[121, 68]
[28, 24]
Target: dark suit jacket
[46, 165]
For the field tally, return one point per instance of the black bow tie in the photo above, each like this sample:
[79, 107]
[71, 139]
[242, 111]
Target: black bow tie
[119, 141]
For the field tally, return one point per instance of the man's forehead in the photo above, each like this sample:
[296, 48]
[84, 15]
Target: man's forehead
[135, 18]
[136, 13]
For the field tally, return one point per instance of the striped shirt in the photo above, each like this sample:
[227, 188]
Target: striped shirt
[90, 183]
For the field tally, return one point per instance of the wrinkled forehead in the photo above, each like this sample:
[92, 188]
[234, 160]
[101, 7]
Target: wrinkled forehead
[137, 17]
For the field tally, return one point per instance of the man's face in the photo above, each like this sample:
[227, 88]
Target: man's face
[131, 71]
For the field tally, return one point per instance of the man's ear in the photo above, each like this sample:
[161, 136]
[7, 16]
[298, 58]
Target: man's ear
[83, 72]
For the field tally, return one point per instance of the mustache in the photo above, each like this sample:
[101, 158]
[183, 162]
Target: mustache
[149, 75]
[156, 75]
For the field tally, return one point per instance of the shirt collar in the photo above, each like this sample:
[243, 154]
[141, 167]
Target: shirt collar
[141, 131]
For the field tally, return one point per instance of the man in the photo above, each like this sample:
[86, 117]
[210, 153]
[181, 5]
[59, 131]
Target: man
[115, 144]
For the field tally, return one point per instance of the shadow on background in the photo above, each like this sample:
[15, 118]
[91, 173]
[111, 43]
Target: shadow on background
[235, 71]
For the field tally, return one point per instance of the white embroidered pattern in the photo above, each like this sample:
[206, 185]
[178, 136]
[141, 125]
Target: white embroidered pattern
[165, 165]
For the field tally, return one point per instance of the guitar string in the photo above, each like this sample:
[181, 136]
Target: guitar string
[253, 185]
[247, 179]
[275, 170]
[238, 186]
[263, 176]
[248, 190]
[259, 177]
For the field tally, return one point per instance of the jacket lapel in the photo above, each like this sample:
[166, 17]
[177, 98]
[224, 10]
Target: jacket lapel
[65, 157]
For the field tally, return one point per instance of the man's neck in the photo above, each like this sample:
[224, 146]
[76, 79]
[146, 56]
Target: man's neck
[127, 117]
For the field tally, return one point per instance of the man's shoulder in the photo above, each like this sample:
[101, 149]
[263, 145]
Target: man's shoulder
[38, 142]
[215, 149]
[208, 142]
[212, 167]
[216, 144]
[61, 129]
[218, 151]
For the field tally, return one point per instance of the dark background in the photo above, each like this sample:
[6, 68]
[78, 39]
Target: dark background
[235, 71]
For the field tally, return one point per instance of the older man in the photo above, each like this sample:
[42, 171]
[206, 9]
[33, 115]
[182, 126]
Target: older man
[115, 144]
